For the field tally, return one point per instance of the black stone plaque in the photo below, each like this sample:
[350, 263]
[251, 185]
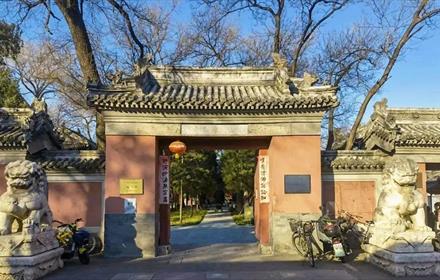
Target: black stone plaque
[296, 183]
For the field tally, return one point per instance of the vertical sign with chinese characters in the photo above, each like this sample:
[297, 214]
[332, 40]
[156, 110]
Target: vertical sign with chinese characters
[263, 162]
[164, 180]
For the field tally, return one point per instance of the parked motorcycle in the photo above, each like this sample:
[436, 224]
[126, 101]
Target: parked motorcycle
[74, 241]
[333, 232]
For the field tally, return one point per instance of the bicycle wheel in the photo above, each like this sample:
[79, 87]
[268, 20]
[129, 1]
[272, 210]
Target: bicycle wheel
[310, 255]
[300, 244]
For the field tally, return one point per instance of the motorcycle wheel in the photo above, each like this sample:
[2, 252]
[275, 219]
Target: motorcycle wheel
[94, 246]
[84, 258]
[342, 259]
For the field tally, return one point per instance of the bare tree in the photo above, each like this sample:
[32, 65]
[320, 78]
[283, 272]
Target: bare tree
[261, 8]
[211, 41]
[314, 13]
[347, 60]
[420, 18]
[311, 15]
[32, 67]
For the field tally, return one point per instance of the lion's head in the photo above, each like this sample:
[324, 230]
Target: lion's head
[23, 176]
[402, 171]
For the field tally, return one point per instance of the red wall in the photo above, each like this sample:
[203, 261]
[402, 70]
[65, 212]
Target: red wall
[295, 155]
[356, 197]
[71, 200]
[131, 157]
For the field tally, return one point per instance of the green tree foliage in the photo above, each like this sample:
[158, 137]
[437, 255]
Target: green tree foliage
[10, 44]
[238, 169]
[196, 172]
[10, 41]
[9, 93]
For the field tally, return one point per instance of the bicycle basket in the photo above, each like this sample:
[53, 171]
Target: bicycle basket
[294, 225]
[308, 227]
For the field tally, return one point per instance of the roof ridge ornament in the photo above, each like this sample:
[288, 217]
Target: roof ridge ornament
[282, 78]
[309, 80]
[39, 105]
[142, 64]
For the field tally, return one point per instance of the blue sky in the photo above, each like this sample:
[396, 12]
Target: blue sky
[414, 79]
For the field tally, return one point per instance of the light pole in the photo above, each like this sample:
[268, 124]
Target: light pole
[178, 148]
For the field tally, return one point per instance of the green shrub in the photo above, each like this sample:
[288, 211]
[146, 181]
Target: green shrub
[187, 219]
[241, 220]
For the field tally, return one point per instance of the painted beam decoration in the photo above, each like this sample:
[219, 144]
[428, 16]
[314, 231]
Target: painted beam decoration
[263, 162]
[164, 180]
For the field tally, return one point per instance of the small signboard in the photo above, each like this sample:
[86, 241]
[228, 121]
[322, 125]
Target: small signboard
[296, 183]
[164, 180]
[263, 166]
[131, 186]
[130, 205]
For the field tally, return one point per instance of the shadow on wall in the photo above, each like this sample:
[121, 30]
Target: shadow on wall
[120, 233]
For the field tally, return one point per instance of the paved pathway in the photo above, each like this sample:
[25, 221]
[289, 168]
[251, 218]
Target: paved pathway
[216, 249]
[216, 228]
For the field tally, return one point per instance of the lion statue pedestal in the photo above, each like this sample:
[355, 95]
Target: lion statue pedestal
[401, 243]
[28, 246]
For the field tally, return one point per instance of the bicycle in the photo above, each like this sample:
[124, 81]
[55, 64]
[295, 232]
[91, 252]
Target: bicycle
[303, 240]
[358, 226]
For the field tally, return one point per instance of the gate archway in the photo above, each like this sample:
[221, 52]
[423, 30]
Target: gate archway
[208, 107]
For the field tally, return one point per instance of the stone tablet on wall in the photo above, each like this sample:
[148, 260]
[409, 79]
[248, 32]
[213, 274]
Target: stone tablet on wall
[297, 184]
[131, 186]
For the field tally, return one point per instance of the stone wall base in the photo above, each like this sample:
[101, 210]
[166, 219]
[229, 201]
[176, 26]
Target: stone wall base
[30, 267]
[265, 249]
[281, 234]
[130, 235]
[404, 264]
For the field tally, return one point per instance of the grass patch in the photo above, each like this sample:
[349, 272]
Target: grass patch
[187, 219]
[241, 220]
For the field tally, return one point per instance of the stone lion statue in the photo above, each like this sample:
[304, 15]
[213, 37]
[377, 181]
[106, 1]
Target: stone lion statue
[400, 206]
[25, 199]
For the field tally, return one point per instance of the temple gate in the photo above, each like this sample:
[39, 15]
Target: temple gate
[254, 108]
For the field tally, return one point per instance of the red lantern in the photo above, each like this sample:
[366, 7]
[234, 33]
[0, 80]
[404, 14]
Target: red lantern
[177, 148]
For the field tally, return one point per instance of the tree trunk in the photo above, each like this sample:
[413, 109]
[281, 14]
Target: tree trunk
[240, 202]
[330, 129]
[407, 35]
[73, 16]
[181, 202]
[277, 35]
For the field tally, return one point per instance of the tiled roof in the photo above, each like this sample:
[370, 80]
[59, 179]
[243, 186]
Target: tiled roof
[367, 161]
[86, 165]
[420, 135]
[11, 137]
[12, 127]
[227, 90]
[21, 126]
[390, 128]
